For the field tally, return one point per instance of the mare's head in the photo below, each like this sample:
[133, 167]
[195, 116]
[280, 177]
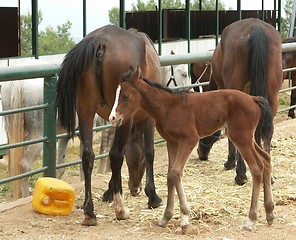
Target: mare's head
[127, 99]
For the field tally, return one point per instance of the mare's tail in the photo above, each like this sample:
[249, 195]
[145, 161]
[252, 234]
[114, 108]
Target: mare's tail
[265, 125]
[258, 61]
[14, 126]
[87, 55]
[258, 69]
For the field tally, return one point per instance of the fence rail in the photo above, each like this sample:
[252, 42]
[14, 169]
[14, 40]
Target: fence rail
[49, 72]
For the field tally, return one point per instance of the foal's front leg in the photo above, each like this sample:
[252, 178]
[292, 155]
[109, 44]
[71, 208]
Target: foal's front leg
[116, 160]
[169, 210]
[176, 166]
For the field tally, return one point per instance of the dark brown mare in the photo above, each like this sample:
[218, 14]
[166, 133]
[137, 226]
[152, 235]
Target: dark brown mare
[88, 79]
[248, 58]
[183, 118]
[289, 60]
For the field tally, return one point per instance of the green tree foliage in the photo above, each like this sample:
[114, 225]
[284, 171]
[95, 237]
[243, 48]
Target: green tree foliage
[114, 16]
[206, 5]
[51, 41]
[286, 20]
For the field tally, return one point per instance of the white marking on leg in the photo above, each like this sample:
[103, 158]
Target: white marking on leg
[121, 212]
[248, 225]
[112, 115]
[184, 220]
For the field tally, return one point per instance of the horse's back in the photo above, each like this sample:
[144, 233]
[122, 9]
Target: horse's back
[233, 56]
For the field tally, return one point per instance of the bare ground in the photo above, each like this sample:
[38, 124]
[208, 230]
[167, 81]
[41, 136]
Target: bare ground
[218, 206]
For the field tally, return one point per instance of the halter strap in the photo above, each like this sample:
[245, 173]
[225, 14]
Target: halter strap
[208, 63]
[172, 77]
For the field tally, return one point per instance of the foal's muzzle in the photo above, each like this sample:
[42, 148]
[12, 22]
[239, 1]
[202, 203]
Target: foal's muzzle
[116, 121]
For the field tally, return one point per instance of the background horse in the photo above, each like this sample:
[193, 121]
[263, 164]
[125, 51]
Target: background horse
[248, 58]
[289, 60]
[200, 72]
[175, 75]
[26, 126]
[181, 123]
[89, 76]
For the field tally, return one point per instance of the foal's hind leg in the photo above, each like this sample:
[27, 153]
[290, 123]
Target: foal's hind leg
[255, 164]
[268, 201]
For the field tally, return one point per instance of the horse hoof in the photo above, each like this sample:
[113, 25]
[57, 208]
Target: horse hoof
[162, 223]
[248, 225]
[269, 219]
[201, 156]
[241, 180]
[89, 221]
[135, 191]
[107, 196]
[184, 229]
[154, 202]
[122, 214]
[229, 166]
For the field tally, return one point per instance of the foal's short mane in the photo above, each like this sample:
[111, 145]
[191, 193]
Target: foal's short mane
[158, 85]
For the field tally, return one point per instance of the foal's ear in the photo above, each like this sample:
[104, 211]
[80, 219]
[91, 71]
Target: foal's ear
[131, 74]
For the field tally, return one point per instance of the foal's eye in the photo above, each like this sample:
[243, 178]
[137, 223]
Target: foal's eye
[125, 96]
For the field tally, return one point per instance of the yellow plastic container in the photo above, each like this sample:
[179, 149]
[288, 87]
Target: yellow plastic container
[53, 196]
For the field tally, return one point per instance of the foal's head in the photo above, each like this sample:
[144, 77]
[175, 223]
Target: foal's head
[127, 99]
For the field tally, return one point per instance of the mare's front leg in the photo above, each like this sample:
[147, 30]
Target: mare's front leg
[153, 199]
[116, 155]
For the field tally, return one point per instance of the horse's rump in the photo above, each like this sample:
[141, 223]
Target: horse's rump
[100, 59]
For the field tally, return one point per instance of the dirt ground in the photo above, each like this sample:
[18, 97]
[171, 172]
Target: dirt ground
[218, 206]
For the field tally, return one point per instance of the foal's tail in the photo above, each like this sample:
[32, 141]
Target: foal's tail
[258, 61]
[87, 55]
[265, 125]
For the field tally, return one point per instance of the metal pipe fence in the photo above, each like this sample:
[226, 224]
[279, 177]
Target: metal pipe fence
[49, 73]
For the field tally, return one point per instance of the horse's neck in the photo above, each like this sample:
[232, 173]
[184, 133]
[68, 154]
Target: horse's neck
[153, 98]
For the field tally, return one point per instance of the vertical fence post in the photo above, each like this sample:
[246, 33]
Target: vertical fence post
[49, 146]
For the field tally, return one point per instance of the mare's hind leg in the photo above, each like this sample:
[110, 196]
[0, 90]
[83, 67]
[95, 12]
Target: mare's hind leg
[116, 160]
[153, 199]
[88, 156]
